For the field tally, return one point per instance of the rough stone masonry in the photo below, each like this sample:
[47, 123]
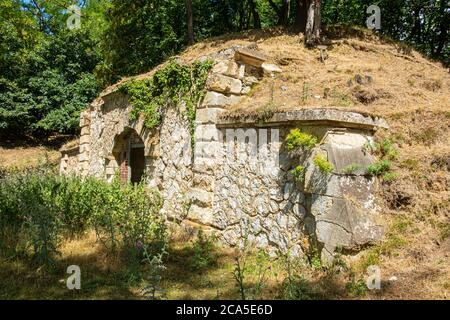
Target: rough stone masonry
[236, 180]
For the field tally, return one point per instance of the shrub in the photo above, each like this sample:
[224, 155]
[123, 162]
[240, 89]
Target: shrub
[203, 252]
[356, 288]
[298, 288]
[385, 149]
[38, 208]
[323, 164]
[379, 167]
[298, 172]
[296, 138]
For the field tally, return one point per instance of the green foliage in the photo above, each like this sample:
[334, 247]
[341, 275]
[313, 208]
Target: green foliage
[380, 167]
[203, 252]
[323, 164]
[351, 168]
[389, 176]
[422, 24]
[356, 288]
[384, 149]
[37, 209]
[299, 173]
[46, 70]
[295, 286]
[48, 73]
[296, 138]
[172, 85]
[156, 267]
[249, 271]
[306, 93]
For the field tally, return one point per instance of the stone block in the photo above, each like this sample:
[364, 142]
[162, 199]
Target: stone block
[85, 118]
[85, 130]
[85, 148]
[215, 99]
[83, 157]
[340, 223]
[224, 84]
[85, 139]
[208, 115]
[228, 68]
[270, 69]
[207, 132]
[200, 197]
[110, 171]
[250, 57]
[204, 216]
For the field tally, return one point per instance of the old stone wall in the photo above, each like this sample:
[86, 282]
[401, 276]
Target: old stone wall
[237, 181]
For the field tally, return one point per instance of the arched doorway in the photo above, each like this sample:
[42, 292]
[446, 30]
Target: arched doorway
[129, 153]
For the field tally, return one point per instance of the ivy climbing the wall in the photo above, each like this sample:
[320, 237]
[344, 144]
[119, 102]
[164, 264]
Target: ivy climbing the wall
[171, 86]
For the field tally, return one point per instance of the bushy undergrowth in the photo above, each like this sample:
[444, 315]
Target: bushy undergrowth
[203, 255]
[38, 209]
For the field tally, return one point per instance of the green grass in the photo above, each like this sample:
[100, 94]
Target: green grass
[351, 168]
[380, 167]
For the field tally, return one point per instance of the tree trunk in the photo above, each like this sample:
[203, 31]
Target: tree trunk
[317, 22]
[256, 18]
[310, 24]
[300, 16]
[190, 22]
[442, 40]
[283, 12]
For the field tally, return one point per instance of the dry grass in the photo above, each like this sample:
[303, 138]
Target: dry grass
[28, 157]
[108, 276]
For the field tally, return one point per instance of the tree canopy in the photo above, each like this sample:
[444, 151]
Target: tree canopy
[49, 72]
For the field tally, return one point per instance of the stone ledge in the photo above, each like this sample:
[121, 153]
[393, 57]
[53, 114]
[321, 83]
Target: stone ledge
[313, 116]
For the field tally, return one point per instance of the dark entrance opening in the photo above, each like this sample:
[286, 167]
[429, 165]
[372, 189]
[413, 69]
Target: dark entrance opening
[137, 162]
[130, 156]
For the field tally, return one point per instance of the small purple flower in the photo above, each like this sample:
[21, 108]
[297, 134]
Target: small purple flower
[139, 244]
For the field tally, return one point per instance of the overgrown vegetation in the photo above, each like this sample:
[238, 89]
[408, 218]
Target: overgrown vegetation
[38, 209]
[351, 168]
[297, 138]
[387, 152]
[248, 263]
[173, 85]
[380, 167]
[323, 164]
[203, 255]
[49, 72]
[298, 173]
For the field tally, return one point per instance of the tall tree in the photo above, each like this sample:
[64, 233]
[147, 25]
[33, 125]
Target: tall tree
[313, 23]
[282, 11]
[301, 15]
[190, 21]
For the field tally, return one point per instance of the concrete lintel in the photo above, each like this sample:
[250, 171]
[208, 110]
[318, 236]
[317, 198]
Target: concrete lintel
[310, 116]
